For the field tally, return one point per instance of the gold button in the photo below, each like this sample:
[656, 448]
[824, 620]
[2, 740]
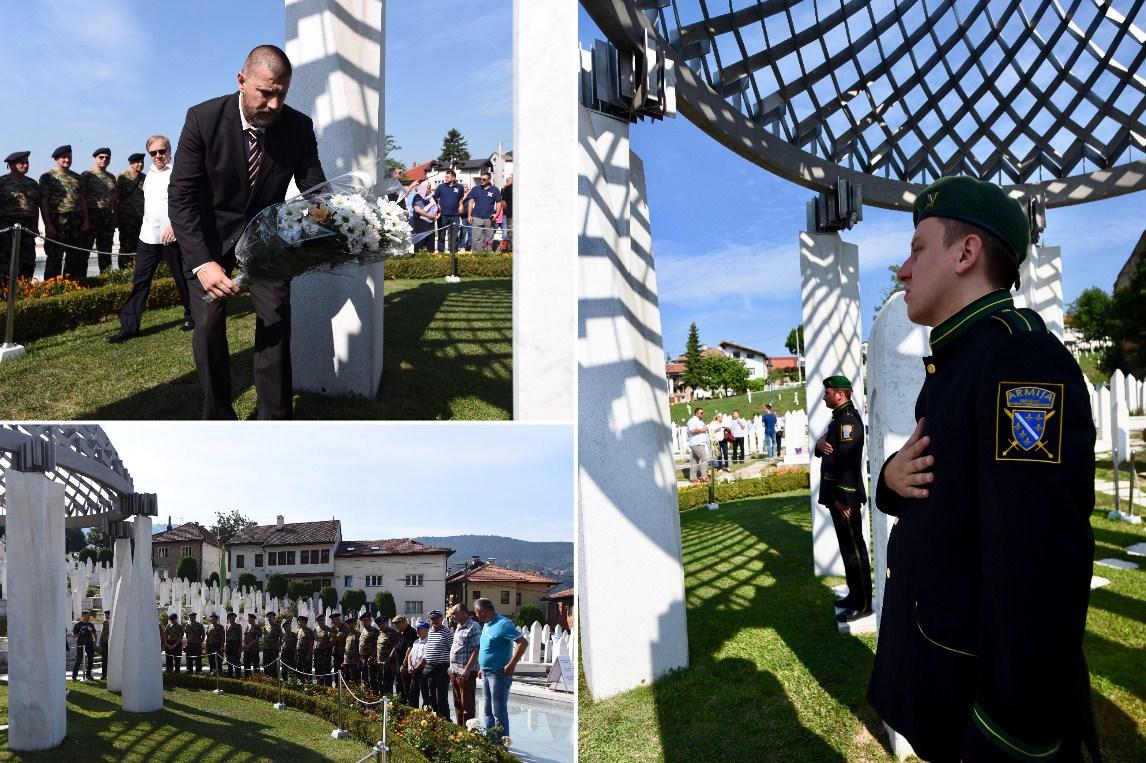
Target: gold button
[888, 573]
[930, 368]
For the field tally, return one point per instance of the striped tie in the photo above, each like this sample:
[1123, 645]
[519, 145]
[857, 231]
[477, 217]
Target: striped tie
[254, 154]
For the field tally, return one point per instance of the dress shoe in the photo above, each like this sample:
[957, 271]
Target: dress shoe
[851, 615]
[844, 602]
[119, 338]
[188, 325]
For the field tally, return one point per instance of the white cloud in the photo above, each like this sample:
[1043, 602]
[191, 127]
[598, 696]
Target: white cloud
[491, 88]
[109, 52]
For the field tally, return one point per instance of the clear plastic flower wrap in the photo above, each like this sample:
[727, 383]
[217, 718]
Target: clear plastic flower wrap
[334, 223]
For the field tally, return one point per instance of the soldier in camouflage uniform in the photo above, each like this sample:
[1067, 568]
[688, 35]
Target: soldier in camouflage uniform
[19, 203]
[251, 646]
[338, 633]
[287, 653]
[323, 646]
[99, 188]
[386, 666]
[367, 646]
[271, 642]
[350, 662]
[173, 642]
[234, 645]
[215, 635]
[65, 212]
[129, 208]
[195, 635]
[304, 650]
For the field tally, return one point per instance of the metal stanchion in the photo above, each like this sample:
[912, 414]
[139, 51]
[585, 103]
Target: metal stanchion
[280, 705]
[712, 504]
[340, 733]
[382, 747]
[453, 277]
[218, 675]
[12, 351]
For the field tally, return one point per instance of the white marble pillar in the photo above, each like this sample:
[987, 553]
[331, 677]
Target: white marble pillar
[1119, 415]
[337, 50]
[1040, 286]
[829, 276]
[629, 526]
[37, 601]
[122, 584]
[545, 76]
[142, 680]
[1104, 433]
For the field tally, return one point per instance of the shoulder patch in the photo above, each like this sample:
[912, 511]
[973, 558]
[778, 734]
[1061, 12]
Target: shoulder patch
[1028, 422]
[847, 432]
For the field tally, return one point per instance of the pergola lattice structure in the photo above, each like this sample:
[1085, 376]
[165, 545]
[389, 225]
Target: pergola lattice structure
[1040, 96]
[94, 478]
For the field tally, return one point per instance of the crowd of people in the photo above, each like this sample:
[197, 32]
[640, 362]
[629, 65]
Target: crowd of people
[425, 663]
[450, 216]
[711, 442]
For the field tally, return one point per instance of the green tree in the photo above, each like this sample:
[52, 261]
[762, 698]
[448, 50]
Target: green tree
[1089, 315]
[391, 162]
[384, 604]
[226, 525]
[691, 376]
[74, 540]
[277, 585]
[352, 601]
[188, 569]
[1126, 328]
[723, 371]
[329, 596]
[97, 538]
[299, 589]
[213, 579]
[528, 615]
[795, 340]
[86, 553]
[892, 288]
[105, 556]
[248, 580]
[454, 147]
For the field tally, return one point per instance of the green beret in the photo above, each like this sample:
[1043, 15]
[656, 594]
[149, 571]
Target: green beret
[839, 381]
[978, 203]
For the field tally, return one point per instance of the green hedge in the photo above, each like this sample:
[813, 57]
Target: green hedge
[438, 266]
[775, 482]
[360, 727]
[38, 318]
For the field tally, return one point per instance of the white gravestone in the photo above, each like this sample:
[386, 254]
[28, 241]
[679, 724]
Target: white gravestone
[1104, 434]
[629, 525]
[142, 682]
[830, 290]
[116, 645]
[797, 447]
[1119, 415]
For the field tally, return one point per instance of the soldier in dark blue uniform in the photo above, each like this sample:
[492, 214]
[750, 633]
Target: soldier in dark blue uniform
[993, 494]
[85, 632]
[842, 491]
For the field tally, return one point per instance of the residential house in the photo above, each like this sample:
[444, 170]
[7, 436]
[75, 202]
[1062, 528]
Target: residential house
[191, 539]
[298, 550]
[755, 360]
[507, 588]
[560, 609]
[787, 363]
[414, 573]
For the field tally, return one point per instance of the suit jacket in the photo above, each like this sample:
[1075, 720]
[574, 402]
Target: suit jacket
[211, 200]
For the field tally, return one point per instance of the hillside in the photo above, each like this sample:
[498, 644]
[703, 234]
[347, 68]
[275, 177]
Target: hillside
[554, 558]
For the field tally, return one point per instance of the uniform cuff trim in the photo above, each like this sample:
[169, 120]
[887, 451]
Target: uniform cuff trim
[1003, 740]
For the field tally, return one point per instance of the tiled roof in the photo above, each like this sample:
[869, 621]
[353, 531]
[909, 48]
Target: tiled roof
[493, 573]
[566, 593]
[290, 534]
[726, 343]
[675, 368]
[418, 171]
[782, 361]
[190, 531]
[391, 547]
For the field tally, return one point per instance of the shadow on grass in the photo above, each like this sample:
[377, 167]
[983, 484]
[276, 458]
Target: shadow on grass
[751, 591]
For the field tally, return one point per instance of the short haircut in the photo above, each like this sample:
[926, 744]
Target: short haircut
[451, 172]
[156, 137]
[484, 605]
[461, 605]
[270, 56]
[1002, 267]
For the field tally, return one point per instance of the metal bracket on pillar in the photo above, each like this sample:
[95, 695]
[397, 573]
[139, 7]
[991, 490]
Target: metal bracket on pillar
[1037, 215]
[35, 455]
[833, 211]
[140, 504]
[630, 85]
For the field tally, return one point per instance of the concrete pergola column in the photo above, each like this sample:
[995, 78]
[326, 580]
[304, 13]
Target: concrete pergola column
[1040, 286]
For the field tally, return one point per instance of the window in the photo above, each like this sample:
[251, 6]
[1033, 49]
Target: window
[412, 608]
[519, 598]
[477, 595]
[326, 582]
[316, 583]
[271, 558]
[161, 552]
[185, 551]
[348, 581]
[240, 561]
[505, 597]
[258, 560]
[290, 557]
[305, 557]
[326, 556]
[373, 581]
[414, 580]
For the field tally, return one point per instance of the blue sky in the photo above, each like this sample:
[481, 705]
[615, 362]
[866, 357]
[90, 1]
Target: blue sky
[726, 233]
[380, 480]
[114, 72]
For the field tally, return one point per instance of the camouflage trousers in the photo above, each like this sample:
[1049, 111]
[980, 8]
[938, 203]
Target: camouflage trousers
[128, 239]
[101, 234]
[26, 260]
[70, 252]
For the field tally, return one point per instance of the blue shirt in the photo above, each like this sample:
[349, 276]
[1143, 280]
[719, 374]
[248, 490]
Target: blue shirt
[769, 423]
[485, 200]
[449, 198]
[497, 639]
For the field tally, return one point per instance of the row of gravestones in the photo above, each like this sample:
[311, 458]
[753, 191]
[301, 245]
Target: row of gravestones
[1111, 406]
[792, 425]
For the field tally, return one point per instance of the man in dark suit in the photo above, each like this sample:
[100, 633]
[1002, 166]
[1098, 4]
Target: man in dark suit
[237, 154]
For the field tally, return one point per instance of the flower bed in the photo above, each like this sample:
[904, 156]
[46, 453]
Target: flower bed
[780, 481]
[438, 266]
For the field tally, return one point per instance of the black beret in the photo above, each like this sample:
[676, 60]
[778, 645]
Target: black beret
[102, 150]
[230, 615]
[304, 618]
[17, 156]
[173, 616]
[212, 616]
[85, 612]
[61, 151]
[193, 614]
[270, 614]
[979, 203]
[839, 381]
[252, 616]
[135, 158]
[334, 615]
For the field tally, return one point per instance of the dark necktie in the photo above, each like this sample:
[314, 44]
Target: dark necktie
[254, 154]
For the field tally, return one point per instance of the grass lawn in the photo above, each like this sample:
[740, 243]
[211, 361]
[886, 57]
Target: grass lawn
[447, 355]
[771, 679]
[782, 400]
[193, 727]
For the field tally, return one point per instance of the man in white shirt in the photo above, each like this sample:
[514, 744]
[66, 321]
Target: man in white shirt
[697, 447]
[739, 429]
[156, 242]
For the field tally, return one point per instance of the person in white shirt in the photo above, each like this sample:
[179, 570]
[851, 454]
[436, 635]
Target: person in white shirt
[156, 242]
[719, 444]
[416, 664]
[739, 429]
[697, 447]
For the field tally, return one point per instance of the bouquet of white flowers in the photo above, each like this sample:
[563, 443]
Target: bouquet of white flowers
[331, 224]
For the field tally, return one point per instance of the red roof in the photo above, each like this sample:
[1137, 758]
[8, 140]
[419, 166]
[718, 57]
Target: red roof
[783, 361]
[493, 573]
[566, 593]
[418, 171]
[391, 547]
[674, 368]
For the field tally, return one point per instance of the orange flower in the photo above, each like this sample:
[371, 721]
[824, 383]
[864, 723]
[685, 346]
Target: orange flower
[319, 213]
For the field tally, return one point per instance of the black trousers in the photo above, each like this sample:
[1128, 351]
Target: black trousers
[214, 660]
[321, 667]
[195, 658]
[449, 228]
[417, 692]
[438, 685]
[274, 382]
[68, 256]
[738, 450]
[173, 659]
[251, 662]
[270, 664]
[853, 550]
[148, 257]
[87, 652]
[286, 661]
[128, 239]
[26, 255]
[103, 658]
[722, 446]
[303, 666]
[233, 668]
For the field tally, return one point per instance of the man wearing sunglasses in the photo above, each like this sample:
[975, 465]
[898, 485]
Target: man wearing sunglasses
[156, 244]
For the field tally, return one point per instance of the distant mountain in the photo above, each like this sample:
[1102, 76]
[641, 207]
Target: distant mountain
[554, 558]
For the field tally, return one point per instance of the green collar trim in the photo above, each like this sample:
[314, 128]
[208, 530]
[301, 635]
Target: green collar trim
[1008, 743]
[950, 329]
[848, 407]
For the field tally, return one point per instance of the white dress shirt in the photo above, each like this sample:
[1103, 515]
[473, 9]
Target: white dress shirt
[155, 219]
